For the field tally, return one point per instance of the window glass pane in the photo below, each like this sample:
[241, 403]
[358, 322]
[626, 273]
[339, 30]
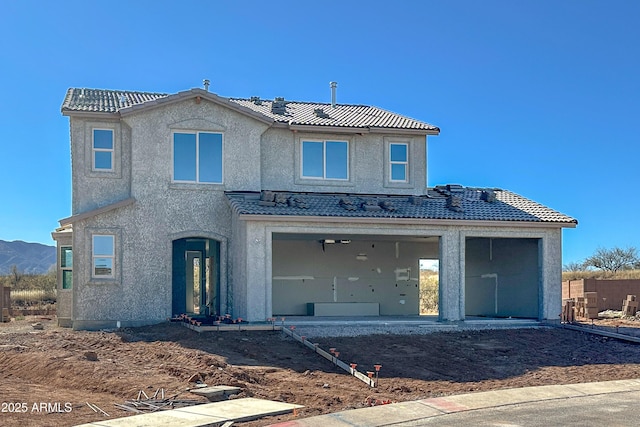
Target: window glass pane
[398, 152]
[103, 138]
[184, 157]
[66, 257]
[102, 159]
[67, 279]
[398, 172]
[337, 164]
[312, 159]
[102, 245]
[210, 157]
[102, 266]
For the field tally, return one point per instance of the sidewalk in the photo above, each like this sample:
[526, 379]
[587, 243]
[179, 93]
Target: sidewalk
[413, 412]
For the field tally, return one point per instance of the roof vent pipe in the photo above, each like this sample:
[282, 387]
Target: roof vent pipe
[206, 84]
[333, 86]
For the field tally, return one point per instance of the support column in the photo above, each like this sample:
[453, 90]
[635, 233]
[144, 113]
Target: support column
[258, 296]
[551, 275]
[451, 305]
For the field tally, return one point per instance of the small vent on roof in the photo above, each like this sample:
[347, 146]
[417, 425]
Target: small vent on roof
[279, 106]
[333, 86]
[319, 112]
[256, 100]
[123, 99]
[206, 83]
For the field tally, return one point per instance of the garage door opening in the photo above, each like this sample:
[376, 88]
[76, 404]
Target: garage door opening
[348, 275]
[502, 277]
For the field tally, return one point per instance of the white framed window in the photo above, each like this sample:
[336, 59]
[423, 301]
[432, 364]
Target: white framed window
[102, 148]
[103, 254]
[325, 159]
[197, 157]
[398, 162]
[66, 266]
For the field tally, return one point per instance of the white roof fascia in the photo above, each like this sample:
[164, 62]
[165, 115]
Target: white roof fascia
[325, 129]
[396, 131]
[360, 130]
[91, 114]
[406, 221]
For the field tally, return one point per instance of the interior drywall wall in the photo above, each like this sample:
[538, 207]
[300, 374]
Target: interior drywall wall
[386, 272]
[502, 277]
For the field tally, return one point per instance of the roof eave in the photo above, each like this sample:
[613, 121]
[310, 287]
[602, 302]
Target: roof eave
[89, 114]
[98, 211]
[410, 131]
[356, 130]
[407, 221]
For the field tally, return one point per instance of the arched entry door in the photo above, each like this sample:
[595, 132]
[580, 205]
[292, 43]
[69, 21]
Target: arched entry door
[196, 276]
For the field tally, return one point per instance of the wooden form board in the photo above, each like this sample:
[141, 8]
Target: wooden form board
[330, 357]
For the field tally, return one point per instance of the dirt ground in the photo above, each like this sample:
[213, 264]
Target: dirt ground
[47, 379]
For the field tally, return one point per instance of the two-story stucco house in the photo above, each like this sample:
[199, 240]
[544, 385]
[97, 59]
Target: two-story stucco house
[196, 203]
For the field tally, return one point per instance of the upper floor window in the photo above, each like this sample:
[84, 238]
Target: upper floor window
[398, 162]
[197, 157]
[325, 159]
[103, 256]
[102, 149]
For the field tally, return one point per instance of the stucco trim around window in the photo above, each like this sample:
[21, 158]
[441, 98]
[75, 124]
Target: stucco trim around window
[197, 157]
[114, 235]
[326, 147]
[409, 164]
[65, 263]
[90, 150]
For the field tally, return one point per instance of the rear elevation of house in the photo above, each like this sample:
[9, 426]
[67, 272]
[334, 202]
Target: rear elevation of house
[196, 203]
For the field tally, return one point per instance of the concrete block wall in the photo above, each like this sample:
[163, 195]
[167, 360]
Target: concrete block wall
[611, 293]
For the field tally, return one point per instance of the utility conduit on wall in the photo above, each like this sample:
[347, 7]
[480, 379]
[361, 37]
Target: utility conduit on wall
[330, 357]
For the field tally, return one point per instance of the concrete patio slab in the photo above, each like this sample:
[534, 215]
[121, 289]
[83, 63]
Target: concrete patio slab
[202, 415]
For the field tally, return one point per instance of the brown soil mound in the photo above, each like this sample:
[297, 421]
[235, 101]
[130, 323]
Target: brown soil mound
[48, 376]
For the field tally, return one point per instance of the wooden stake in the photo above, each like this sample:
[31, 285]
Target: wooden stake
[98, 408]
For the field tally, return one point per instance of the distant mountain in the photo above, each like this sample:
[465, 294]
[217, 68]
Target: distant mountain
[31, 258]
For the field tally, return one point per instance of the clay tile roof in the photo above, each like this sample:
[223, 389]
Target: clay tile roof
[342, 115]
[471, 204]
[105, 101]
[277, 111]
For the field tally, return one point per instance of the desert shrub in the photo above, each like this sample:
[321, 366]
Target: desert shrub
[600, 274]
[428, 292]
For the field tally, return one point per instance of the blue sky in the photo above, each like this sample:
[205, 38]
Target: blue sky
[537, 97]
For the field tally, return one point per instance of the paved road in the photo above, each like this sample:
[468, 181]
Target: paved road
[610, 410]
[611, 404]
